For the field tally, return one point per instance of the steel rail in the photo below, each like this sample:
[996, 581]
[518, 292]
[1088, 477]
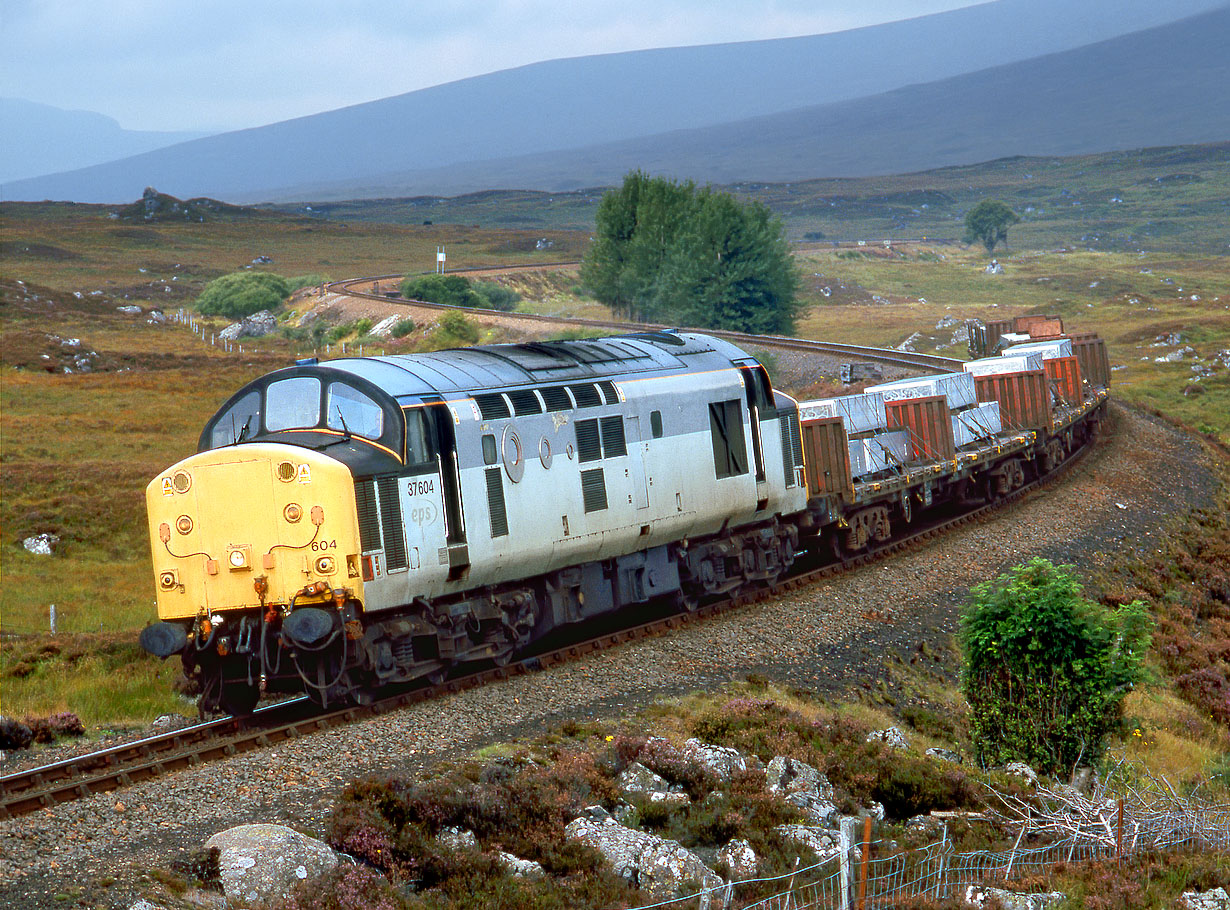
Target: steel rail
[23, 792]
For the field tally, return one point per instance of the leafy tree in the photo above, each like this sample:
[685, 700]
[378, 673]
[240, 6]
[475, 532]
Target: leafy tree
[668, 252]
[988, 222]
[1046, 670]
[496, 296]
[241, 294]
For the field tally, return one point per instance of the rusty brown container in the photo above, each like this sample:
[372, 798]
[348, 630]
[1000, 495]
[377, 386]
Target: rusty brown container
[1065, 376]
[993, 331]
[826, 451]
[1090, 350]
[928, 425]
[1024, 399]
[1025, 324]
[1046, 329]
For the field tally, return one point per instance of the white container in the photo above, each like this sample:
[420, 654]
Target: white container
[1061, 347]
[994, 366]
[977, 424]
[957, 388]
[873, 454]
[859, 413]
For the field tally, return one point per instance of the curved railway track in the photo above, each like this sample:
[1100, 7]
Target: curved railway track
[31, 790]
[353, 287]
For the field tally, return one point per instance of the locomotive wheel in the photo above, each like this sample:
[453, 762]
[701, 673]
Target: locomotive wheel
[238, 698]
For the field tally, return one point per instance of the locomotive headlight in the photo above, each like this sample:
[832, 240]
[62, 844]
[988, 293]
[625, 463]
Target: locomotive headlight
[326, 565]
[168, 579]
[293, 512]
[183, 524]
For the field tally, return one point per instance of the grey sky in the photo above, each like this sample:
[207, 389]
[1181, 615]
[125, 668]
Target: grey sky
[229, 64]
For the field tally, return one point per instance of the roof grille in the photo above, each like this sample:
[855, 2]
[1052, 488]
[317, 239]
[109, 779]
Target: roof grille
[524, 401]
[586, 395]
[556, 397]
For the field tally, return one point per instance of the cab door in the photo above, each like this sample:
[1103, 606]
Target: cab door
[760, 407]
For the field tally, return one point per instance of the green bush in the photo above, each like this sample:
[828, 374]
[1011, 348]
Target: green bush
[305, 281]
[453, 331]
[241, 294]
[402, 328]
[497, 296]
[1045, 670]
[453, 290]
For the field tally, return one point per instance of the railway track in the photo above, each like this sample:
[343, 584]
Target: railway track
[34, 789]
[353, 287]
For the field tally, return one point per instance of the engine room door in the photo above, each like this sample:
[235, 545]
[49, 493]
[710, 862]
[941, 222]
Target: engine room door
[458, 551]
[636, 462]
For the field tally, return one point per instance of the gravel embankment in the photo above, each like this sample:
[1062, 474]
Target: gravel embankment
[833, 636]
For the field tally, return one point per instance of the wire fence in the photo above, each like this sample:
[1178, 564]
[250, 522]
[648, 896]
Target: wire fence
[867, 874]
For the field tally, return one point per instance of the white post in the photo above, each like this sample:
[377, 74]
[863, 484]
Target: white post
[845, 841]
[52, 611]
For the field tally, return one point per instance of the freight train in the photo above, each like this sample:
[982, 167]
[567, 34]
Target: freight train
[361, 522]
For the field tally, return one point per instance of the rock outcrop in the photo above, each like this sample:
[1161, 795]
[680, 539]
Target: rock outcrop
[660, 867]
[261, 864]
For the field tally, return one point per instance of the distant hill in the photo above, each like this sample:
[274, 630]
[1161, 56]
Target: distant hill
[154, 206]
[41, 139]
[588, 102]
[1162, 86]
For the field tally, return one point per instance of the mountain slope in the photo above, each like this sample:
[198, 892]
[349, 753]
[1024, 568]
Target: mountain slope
[564, 104]
[1162, 86]
[41, 139]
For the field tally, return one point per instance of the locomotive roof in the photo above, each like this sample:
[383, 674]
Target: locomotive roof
[499, 366]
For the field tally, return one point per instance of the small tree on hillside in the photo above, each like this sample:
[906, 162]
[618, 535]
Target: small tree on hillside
[988, 222]
[241, 294]
[1046, 670]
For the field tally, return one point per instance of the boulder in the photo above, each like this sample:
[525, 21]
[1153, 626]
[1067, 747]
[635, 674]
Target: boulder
[457, 838]
[156, 317]
[520, 868]
[41, 544]
[130, 310]
[994, 268]
[1023, 771]
[255, 326]
[637, 779]
[892, 737]
[1216, 899]
[658, 866]
[978, 896]
[822, 841]
[740, 859]
[262, 863]
[721, 761]
[944, 755]
[803, 786]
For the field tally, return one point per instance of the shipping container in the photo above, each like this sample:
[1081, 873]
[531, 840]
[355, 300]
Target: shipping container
[976, 425]
[861, 413]
[1065, 374]
[1024, 399]
[1090, 350]
[1057, 347]
[873, 454]
[1026, 324]
[827, 456]
[987, 366]
[927, 424]
[957, 389]
[1046, 329]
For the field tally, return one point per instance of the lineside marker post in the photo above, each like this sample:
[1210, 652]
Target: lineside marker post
[862, 866]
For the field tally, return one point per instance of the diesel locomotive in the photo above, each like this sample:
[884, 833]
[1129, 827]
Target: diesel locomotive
[366, 521]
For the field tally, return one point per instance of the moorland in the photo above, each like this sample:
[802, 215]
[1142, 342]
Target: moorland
[94, 401]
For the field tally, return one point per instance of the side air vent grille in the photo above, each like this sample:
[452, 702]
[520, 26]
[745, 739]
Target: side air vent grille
[390, 520]
[593, 490]
[492, 407]
[613, 444]
[495, 503]
[608, 391]
[589, 447]
[586, 396]
[369, 519]
[792, 444]
[524, 401]
[556, 397]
